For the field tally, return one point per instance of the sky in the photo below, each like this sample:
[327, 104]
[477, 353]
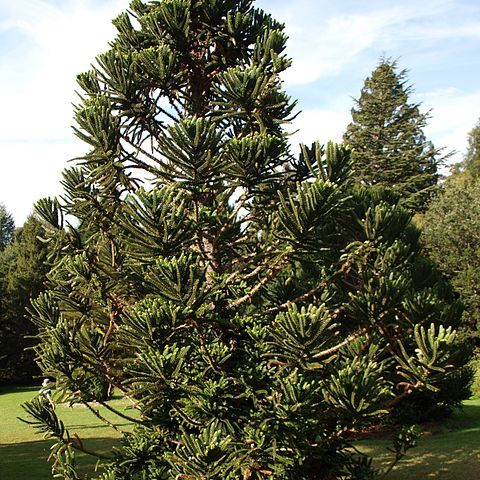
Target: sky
[334, 46]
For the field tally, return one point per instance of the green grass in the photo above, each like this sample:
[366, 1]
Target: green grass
[23, 453]
[452, 454]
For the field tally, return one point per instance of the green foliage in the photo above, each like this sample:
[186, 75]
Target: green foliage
[253, 307]
[386, 134]
[476, 378]
[301, 335]
[23, 268]
[7, 226]
[450, 234]
[470, 165]
[472, 158]
[451, 226]
[359, 389]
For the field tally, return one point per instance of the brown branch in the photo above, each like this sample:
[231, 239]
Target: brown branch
[101, 417]
[143, 164]
[254, 272]
[239, 240]
[112, 380]
[239, 205]
[273, 271]
[186, 417]
[348, 340]
[300, 298]
[248, 260]
[408, 390]
[120, 414]
[111, 326]
[77, 444]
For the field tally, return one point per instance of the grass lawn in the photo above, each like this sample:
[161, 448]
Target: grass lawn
[452, 454]
[23, 453]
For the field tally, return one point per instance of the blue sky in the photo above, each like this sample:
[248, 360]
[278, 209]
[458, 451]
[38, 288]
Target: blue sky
[334, 46]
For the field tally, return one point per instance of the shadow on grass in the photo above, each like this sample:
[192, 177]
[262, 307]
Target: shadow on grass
[453, 464]
[453, 454]
[71, 427]
[28, 460]
[465, 417]
[4, 389]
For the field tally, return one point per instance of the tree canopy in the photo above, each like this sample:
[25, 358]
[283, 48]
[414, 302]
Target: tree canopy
[470, 165]
[450, 229]
[7, 226]
[252, 305]
[387, 137]
[23, 268]
[450, 233]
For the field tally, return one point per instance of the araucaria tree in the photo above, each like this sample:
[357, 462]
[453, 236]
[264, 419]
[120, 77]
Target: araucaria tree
[252, 307]
[387, 138]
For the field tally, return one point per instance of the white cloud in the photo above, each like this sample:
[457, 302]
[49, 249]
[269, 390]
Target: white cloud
[443, 29]
[63, 41]
[323, 51]
[454, 114]
[30, 172]
[319, 124]
[322, 45]
[35, 136]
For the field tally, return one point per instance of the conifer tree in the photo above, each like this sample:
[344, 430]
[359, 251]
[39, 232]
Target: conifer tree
[450, 230]
[23, 268]
[386, 134]
[450, 234]
[252, 306]
[7, 226]
[471, 162]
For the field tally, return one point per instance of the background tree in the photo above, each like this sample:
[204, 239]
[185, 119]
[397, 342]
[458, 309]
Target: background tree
[450, 235]
[386, 134]
[7, 226]
[471, 162]
[253, 307]
[23, 268]
[450, 229]
[451, 226]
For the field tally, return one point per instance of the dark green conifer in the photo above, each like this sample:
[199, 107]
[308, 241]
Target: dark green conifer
[23, 268]
[7, 226]
[386, 134]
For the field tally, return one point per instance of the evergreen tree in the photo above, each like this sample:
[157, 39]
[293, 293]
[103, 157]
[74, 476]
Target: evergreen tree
[386, 134]
[23, 268]
[471, 162]
[7, 226]
[450, 230]
[253, 307]
[472, 158]
[450, 233]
